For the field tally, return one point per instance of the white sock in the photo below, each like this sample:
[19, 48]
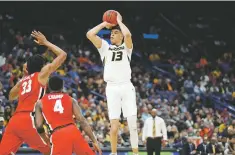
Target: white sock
[113, 154]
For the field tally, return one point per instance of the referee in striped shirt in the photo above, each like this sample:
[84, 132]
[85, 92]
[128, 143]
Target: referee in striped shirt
[154, 133]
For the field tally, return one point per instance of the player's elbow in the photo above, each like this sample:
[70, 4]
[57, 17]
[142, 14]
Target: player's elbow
[89, 35]
[11, 97]
[64, 55]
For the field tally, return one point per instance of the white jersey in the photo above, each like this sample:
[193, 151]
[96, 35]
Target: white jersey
[116, 60]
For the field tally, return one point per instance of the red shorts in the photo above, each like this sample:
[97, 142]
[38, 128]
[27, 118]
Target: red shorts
[67, 140]
[21, 129]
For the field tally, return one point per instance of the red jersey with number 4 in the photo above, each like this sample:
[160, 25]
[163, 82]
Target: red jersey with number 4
[57, 109]
[30, 92]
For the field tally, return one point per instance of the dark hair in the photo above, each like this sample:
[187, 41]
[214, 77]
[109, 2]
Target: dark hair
[55, 83]
[35, 63]
[116, 28]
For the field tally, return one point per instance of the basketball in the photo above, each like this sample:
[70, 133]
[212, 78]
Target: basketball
[110, 16]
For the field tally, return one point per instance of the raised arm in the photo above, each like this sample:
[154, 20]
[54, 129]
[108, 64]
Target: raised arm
[92, 34]
[125, 31]
[56, 63]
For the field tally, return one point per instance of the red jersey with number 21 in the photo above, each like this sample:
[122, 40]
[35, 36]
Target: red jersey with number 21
[57, 109]
[30, 92]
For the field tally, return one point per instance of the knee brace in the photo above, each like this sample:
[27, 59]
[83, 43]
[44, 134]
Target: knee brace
[132, 124]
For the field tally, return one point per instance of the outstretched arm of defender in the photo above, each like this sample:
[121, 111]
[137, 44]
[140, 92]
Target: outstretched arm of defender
[83, 122]
[125, 31]
[57, 62]
[92, 34]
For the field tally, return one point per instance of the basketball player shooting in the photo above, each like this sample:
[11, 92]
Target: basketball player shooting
[120, 92]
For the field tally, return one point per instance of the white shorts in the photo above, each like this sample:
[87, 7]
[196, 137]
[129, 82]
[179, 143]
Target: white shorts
[121, 97]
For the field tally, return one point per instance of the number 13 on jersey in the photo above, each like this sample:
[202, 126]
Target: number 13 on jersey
[58, 107]
[117, 56]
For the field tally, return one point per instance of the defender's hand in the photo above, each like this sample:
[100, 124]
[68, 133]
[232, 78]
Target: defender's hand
[39, 38]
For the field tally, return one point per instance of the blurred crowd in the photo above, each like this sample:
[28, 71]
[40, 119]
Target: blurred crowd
[185, 91]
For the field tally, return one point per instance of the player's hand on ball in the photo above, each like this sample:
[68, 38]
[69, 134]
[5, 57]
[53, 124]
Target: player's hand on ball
[39, 37]
[108, 25]
[119, 17]
[97, 148]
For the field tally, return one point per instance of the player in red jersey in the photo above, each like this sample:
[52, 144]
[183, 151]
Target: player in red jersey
[58, 108]
[28, 91]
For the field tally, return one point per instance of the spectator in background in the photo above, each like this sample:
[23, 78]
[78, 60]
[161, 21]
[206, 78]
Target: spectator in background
[191, 146]
[189, 122]
[179, 69]
[197, 105]
[154, 58]
[226, 79]
[197, 89]
[213, 146]
[145, 114]
[203, 62]
[188, 85]
[1, 108]
[185, 145]
[8, 113]
[204, 79]
[2, 60]
[2, 127]
[2, 99]
[202, 148]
